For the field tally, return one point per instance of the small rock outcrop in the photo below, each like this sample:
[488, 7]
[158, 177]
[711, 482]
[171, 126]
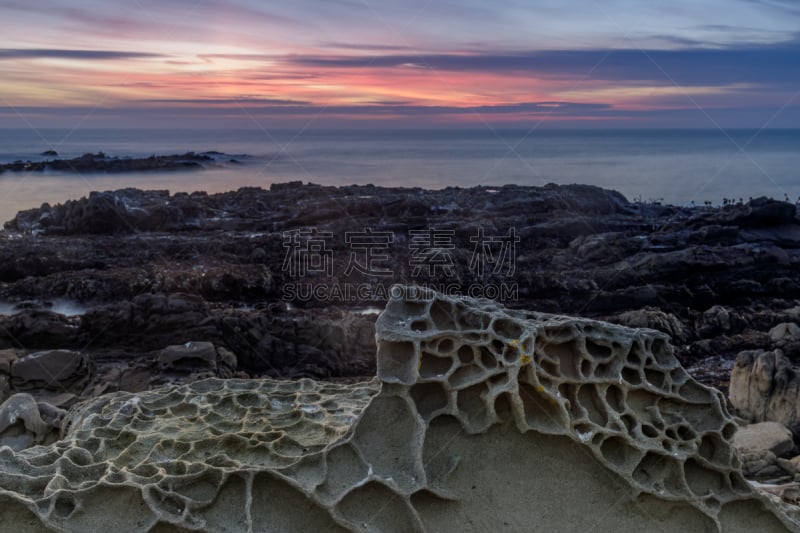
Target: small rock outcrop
[765, 386]
[760, 446]
[479, 416]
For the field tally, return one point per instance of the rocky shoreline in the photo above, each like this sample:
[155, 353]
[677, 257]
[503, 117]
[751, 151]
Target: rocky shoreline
[149, 270]
[100, 162]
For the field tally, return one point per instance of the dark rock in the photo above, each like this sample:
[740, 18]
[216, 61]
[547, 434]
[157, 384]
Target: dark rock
[192, 356]
[156, 269]
[52, 369]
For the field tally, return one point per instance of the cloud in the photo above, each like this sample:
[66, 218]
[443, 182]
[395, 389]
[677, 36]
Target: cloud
[367, 47]
[269, 107]
[89, 55]
[786, 6]
[230, 101]
[763, 64]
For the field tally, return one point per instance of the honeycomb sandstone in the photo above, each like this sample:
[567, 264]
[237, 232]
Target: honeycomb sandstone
[480, 417]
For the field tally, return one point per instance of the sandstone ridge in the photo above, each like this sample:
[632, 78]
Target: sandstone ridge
[480, 417]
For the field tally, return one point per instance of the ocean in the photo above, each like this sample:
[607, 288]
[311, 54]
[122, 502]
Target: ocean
[671, 166]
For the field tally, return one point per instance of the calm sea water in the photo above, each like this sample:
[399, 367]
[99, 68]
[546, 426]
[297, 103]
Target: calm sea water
[676, 166]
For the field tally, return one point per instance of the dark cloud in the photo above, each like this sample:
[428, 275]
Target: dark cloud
[275, 107]
[367, 47]
[513, 115]
[231, 101]
[90, 55]
[766, 64]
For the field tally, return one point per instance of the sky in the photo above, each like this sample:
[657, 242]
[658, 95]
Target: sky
[391, 63]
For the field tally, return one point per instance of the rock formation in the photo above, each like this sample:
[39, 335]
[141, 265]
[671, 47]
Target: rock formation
[765, 386]
[100, 162]
[480, 418]
[716, 279]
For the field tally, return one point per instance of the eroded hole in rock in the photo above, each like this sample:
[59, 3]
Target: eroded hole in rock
[686, 433]
[713, 449]
[467, 375]
[728, 431]
[586, 368]
[64, 506]
[701, 480]
[396, 361]
[441, 314]
[631, 375]
[432, 366]
[549, 366]
[361, 506]
[502, 407]
[419, 325]
[568, 358]
[569, 391]
[617, 452]
[471, 402]
[655, 378]
[466, 354]
[201, 488]
[499, 381]
[511, 354]
[634, 357]
[541, 411]
[590, 401]
[429, 398]
[471, 320]
[497, 347]
[614, 398]
[599, 351]
[488, 359]
[650, 469]
[649, 431]
[345, 469]
[607, 370]
[445, 345]
[413, 308]
[507, 329]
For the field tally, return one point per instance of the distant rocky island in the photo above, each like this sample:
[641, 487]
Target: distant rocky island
[100, 162]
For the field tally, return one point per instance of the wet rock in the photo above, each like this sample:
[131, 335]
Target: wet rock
[51, 369]
[716, 280]
[24, 422]
[192, 356]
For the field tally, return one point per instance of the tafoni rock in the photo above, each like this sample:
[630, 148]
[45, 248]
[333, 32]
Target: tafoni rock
[480, 418]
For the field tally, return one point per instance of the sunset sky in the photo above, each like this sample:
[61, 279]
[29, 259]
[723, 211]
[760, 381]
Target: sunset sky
[410, 63]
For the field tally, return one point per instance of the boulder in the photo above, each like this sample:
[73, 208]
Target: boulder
[764, 436]
[7, 357]
[24, 422]
[765, 386]
[189, 357]
[785, 332]
[51, 369]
